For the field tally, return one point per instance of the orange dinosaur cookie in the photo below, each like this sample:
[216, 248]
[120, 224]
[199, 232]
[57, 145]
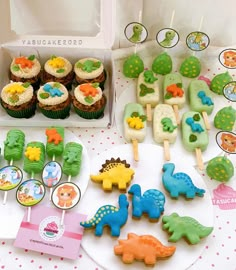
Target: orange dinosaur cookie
[145, 248]
[115, 172]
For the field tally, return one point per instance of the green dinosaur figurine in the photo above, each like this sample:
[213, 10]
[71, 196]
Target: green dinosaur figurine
[168, 124]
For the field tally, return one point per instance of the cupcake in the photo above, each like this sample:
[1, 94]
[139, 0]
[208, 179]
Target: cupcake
[26, 69]
[90, 70]
[89, 102]
[54, 100]
[18, 99]
[58, 69]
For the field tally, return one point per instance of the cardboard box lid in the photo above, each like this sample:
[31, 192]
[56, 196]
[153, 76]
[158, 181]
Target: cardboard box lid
[56, 23]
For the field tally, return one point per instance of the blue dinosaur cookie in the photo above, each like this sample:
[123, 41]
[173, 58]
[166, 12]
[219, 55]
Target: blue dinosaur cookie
[111, 216]
[185, 227]
[179, 183]
[151, 202]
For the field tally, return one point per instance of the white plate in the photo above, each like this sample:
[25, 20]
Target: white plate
[148, 173]
[12, 212]
[129, 95]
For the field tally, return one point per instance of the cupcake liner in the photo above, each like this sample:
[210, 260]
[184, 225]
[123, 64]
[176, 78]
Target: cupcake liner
[60, 114]
[25, 113]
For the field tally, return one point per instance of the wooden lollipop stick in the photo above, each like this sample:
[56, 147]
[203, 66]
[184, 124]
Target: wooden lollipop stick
[176, 111]
[135, 150]
[149, 112]
[166, 150]
[200, 163]
[206, 120]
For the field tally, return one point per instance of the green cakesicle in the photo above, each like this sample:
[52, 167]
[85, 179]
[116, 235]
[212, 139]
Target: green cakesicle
[219, 81]
[162, 64]
[72, 158]
[133, 66]
[55, 141]
[220, 168]
[14, 145]
[34, 157]
[200, 97]
[194, 133]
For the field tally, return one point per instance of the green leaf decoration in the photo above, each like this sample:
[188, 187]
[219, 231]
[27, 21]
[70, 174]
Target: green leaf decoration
[168, 95]
[79, 65]
[31, 57]
[143, 118]
[15, 68]
[14, 98]
[56, 85]
[95, 85]
[44, 95]
[61, 70]
[135, 114]
[192, 138]
[196, 117]
[89, 99]
[179, 85]
[26, 84]
[53, 56]
[97, 64]
[145, 90]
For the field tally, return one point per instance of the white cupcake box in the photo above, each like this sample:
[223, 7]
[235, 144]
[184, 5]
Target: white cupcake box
[73, 29]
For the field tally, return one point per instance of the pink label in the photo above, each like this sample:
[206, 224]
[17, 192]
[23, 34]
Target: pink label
[45, 234]
[225, 197]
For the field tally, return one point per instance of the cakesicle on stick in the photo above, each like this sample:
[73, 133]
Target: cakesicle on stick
[200, 98]
[164, 127]
[174, 94]
[194, 135]
[148, 91]
[134, 123]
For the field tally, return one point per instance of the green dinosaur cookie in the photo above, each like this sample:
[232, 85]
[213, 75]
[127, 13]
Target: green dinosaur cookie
[162, 64]
[225, 118]
[191, 67]
[219, 81]
[220, 169]
[133, 66]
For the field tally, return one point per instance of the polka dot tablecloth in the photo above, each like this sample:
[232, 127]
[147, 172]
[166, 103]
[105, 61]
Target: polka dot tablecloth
[218, 254]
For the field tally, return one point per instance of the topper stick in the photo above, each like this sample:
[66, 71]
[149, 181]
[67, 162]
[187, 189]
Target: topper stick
[5, 192]
[29, 208]
[199, 29]
[171, 23]
[139, 20]
[50, 189]
[64, 211]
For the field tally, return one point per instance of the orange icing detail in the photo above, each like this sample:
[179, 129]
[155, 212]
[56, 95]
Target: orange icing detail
[88, 90]
[53, 136]
[175, 90]
[24, 62]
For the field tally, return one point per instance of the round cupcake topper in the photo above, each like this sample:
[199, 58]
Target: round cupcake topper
[229, 91]
[136, 32]
[52, 174]
[167, 37]
[10, 177]
[66, 195]
[30, 192]
[226, 140]
[227, 58]
[197, 41]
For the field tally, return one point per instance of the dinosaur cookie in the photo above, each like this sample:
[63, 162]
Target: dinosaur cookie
[179, 183]
[186, 227]
[145, 248]
[151, 202]
[115, 172]
[111, 216]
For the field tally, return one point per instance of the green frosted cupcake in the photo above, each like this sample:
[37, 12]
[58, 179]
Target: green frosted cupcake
[89, 102]
[18, 100]
[54, 101]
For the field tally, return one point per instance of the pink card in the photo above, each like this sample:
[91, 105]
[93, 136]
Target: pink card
[45, 234]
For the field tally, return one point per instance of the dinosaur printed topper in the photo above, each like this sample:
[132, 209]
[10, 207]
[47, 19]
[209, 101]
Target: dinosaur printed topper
[10, 177]
[197, 41]
[136, 32]
[227, 58]
[52, 174]
[229, 91]
[167, 37]
[226, 140]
